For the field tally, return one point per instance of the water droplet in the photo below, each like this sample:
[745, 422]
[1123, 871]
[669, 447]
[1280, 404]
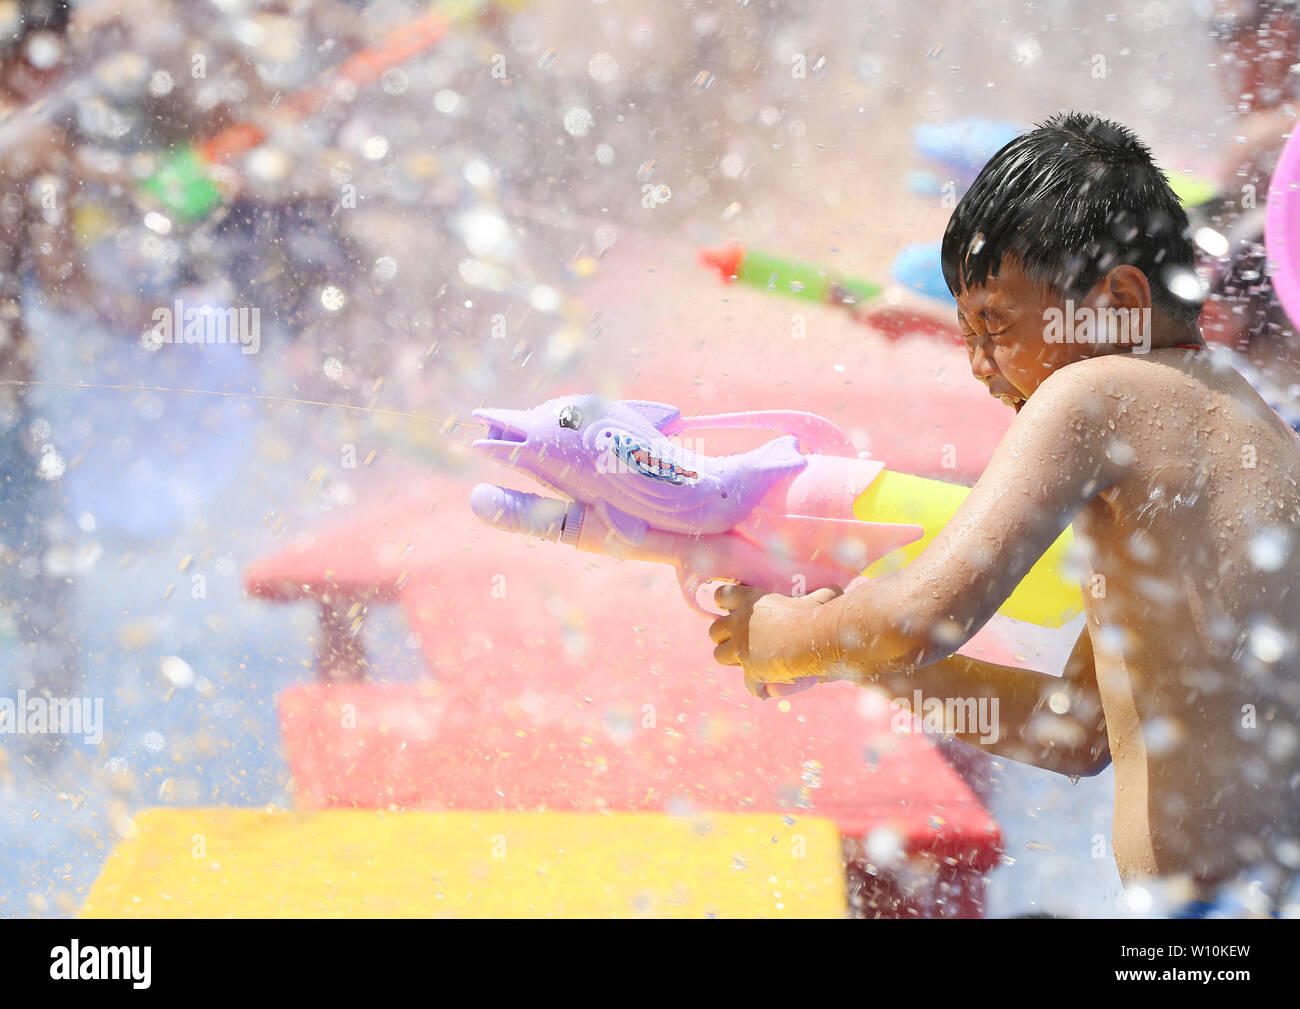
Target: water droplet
[161, 84]
[1138, 898]
[1269, 548]
[732, 165]
[1121, 453]
[1184, 283]
[51, 466]
[578, 122]
[544, 298]
[1211, 241]
[885, 846]
[1162, 735]
[1268, 642]
[395, 81]
[176, 671]
[447, 102]
[1028, 50]
[603, 67]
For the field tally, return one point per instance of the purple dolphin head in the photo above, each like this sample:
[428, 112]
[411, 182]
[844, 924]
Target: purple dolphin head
[559, 442]
[619, 456]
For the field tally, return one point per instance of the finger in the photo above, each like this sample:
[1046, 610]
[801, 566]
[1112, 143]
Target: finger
[725, 654]
[725, 596]
[756, 687]
[720, 630]
[825, 595]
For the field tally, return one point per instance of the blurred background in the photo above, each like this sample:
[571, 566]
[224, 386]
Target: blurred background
[434, 208]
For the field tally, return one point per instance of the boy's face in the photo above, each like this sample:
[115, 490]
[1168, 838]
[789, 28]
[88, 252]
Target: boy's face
[1003, 322]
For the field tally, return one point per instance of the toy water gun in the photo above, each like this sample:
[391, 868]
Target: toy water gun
[800, 512]
[752, 268]
[959, 149]
[920, 267]
[737, 264]
[183, 182]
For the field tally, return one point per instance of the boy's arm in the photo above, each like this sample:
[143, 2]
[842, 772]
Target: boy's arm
[1058, 454]
[1054, 459]
[1052, 722]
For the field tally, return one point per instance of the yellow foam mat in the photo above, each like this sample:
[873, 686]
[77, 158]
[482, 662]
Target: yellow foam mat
[210, 863]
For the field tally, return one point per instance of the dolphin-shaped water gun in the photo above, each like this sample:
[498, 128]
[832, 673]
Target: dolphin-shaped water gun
[800, 512]
[775, 517]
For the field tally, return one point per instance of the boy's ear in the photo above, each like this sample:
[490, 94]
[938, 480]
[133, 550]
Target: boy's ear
[1123, 286]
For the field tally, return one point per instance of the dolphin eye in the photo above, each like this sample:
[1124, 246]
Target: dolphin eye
[571, 418]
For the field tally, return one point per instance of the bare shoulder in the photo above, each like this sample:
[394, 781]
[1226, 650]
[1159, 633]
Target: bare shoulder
[1093, 413]
[1061, 434]
[1108, 385]
[1081, 394]
[1108, 373]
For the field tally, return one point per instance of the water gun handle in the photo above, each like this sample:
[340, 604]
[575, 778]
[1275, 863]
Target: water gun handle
[572, 523]
[817, 434]
[690, 582]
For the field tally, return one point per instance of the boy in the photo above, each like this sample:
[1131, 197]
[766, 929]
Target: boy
[1072, 269]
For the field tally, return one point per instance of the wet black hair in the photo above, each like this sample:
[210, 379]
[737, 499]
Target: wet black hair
[1069, 201]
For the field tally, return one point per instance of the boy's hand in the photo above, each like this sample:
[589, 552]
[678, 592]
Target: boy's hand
[760, 634]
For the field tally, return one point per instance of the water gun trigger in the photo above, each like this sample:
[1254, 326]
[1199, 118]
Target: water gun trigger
[690, 584]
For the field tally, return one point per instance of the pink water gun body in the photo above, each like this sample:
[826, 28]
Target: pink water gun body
[778, 517]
